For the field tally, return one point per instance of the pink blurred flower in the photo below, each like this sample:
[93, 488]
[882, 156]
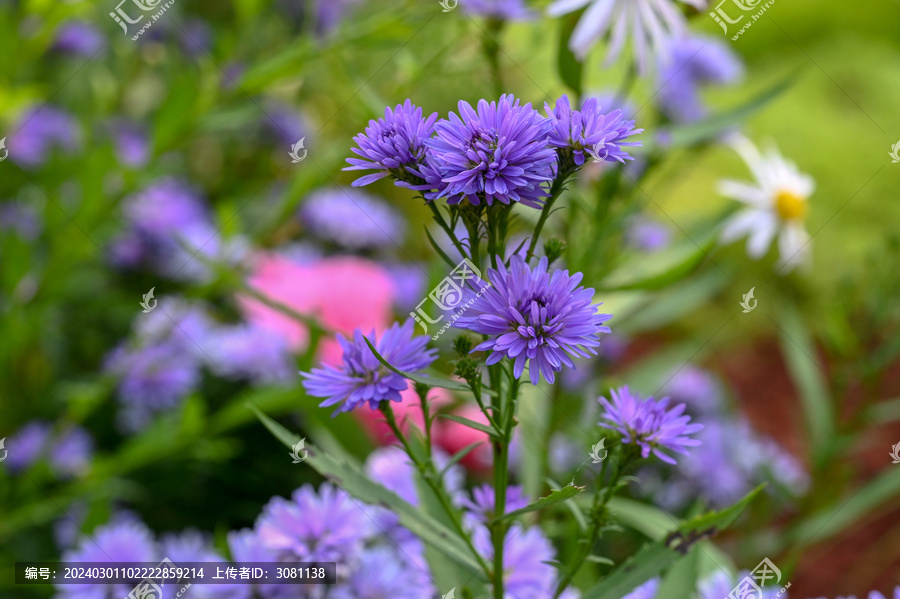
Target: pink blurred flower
[409, 410]
[453, 436]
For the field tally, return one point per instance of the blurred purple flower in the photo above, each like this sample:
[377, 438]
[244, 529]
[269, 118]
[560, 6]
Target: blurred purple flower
[393, 145]
[330, 14]
[324, 526]
[27, 445]
[588, 131]
[80, 38]
[250, 352]
[564, 454]
[385, 572]
[195, 38]
[131, 143]
[70, 454]
[648, 235]
[497, 154]
[649, 423]
[409, 283]
[39, 130]
[505, 10]
[720, 585]
[352, 218]
[67, 528]
[535, 318]
[696, 60]
[245, 546]
[695, 387]
[361, 377]
[285, 123]
[482, 504]
[21, 218]
[648, 590]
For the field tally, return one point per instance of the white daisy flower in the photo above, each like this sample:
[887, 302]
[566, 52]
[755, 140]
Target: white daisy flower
[652, 24]
[776, 205]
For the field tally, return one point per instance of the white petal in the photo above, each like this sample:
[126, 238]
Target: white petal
[562, 7]
[593, 24]
[618, 36]
[760, 240]
[794, 246]
[744, 192]
[741, 223]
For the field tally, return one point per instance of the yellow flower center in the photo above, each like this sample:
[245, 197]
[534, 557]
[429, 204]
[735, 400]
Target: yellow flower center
[790, 206]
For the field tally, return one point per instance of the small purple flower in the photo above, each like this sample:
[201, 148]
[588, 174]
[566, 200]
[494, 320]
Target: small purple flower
[40, 130]
[695, 387]
[70, 454]
[285, 123]
[132, 145]
[647, 234]
[497, 154]
[409, 281]
[21, 218]
[504, 10]
[482, 504]
[393, 145]
[720, 585]
[352, 219]
[648, 590]
[696, 60]
[535, 318]
[361, 377]
[385, 572]
[250, 352]
[589, 131]
[649, 423]
[79, 38]
[325, 526]
[27, 445]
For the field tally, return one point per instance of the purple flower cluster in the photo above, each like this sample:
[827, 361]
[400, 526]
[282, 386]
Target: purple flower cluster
[500, 151]
[649, 423]
[352, 219]
[361, 377]
[41, 130]
[535, 318]
[79, 38]
[68, 452]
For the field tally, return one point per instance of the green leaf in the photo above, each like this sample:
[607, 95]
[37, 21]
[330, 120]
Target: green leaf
[802, 362]
[431, 381]
[654, 558]
[642, 517]
[681, 579]
[556, 496]
[471, 424]
[569, 68]
[352, 480]
[459, 455]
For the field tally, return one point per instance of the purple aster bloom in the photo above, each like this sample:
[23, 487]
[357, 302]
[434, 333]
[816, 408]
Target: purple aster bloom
[393, 145]
[695, 61]
[80, 38]
[27, 445]
[67, 529]
[385, 572]
[536, 318]
[409, 283]
[482, 504]
[21, 218]
[123, 541]
[504, 10]
[647, 234]
[695, 387]
[351, 218]
[250, 352]
[132, 145]
[649, 423]
[40, 130]
[588, 131]
[361, 377]
[648, 590]
[245, 546]
[498, 153]
[70, 454]
[327, 526]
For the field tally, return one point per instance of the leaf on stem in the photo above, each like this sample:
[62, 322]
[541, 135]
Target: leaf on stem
[556, 496]
[430, 381]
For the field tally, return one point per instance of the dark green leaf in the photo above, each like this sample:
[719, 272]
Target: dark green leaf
[471, 424]
[570, 70]
[556, 496]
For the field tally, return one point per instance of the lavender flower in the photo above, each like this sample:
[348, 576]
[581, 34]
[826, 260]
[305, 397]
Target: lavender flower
[393, 145]
[385, 572]
[361, 377]
[27, 446]
[42, 129]
[588, 130]
[535, 318]
[352, 219]
[504, 10]
[482, 504]
[649, 423]
[324, 526]
[695, 60]
[70, 454]
[79, 38]
[497, 154]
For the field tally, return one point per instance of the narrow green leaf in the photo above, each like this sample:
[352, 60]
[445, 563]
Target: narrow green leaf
[431, 381]
[471, 424]
[570, 70]
[556, 496]
[459, 455]
[681, 579]
[642, 517]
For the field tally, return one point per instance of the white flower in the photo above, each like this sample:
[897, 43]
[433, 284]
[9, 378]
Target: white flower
[652, 24]
[776, 205]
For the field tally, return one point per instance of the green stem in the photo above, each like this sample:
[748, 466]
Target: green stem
[501, 474]
[443, 224]
[491, 47]
[555, 191]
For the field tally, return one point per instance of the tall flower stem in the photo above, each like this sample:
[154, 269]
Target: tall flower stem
[443, 224]
[559, 184]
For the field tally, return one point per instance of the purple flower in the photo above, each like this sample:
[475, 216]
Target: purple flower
[695, 60]
[385, 572]
[42, 129]
[497, 154]
[589, 131]
[409, 281]
[78, 37]
[71, 453]
[393, 145]
[132, 145]
[126, 540]
[21, 218]
[326, 526]
[27, 446]
[648, 590]
[351, 218]
[649, 423]
[245, 547]
[285, 123]
[504, 10]
[720, 585]
[646, 234]
[482, 504]
[250, 352]
[695, 387]
[361, 377]
[536, 318]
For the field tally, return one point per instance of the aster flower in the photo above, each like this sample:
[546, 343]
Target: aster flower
[385, 572]
[720, 585]
[361, 377]
[776, 205]
[323, 526]
[131, 143]
[482, 504]
[695, 387]
[653, 25]
[588, 130]
[250, 352]
[42, 129]
[351, 218]
[649, 423]
[535, 318]
[497, 154]
[647, 234]
[503, 10]
[27, 445]
[393, 145]
[696, 60]
[70, 454]
[79, 38]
